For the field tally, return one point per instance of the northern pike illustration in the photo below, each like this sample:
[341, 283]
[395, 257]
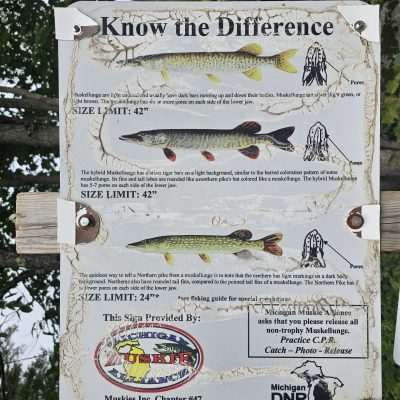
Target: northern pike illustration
[246, 60]
[167, 348]
[242, 138]
[237, 243]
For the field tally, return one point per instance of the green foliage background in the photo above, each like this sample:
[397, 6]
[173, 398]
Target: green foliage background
[28, 52]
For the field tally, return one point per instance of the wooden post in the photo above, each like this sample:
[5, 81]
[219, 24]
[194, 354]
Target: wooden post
[390, 221]
[36, 223]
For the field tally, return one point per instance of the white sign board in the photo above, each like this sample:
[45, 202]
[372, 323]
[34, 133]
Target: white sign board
[231, 153]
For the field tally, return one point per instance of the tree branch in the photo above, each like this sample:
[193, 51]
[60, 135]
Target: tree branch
[13, 133]
[389, 145]
[27, 100]
[33, 104]
[9, 259]
[3, 382]
[29, 180]
[14, 282]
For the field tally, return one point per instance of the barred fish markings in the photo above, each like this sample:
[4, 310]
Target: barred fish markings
[246, 60]
[216, 140]
[242, 138]
[237, 243]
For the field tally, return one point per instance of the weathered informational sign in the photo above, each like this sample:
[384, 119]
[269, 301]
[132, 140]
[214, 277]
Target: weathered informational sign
[220, 162]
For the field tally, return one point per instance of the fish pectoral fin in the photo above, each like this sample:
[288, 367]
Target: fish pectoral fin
[244, 254]
[254, 73]
[165, 74]
[169, 154]
[213, 78]
[253, 48]
[242, 234]
[248, 127]
[252, 152]
[205, 257]
[207, 155]
[169, 258]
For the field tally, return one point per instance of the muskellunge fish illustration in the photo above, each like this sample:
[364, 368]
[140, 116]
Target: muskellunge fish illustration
[242, 138]
[237, 243]
[167, 348]
[246, 60]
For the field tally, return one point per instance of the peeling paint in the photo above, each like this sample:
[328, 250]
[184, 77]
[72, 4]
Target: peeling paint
[142, 194]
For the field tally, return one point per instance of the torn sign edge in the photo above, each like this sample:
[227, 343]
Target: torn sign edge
[363, 19]
[66, 222]
[370, 221]
[396, 351]
[72, 24]
[72, 326]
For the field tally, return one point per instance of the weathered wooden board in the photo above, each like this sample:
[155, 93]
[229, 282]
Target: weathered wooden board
[390, 221]
[36, 224]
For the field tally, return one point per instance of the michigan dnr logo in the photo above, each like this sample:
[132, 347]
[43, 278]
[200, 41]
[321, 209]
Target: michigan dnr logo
[315, 386]
[147, 357]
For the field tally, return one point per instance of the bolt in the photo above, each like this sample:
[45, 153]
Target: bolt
[355, 221]
[77, 28]
[360, 26]
[85, 221]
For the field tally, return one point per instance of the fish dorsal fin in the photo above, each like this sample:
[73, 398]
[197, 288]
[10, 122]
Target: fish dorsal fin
[242, 234]
[248, 127]
[252, 48]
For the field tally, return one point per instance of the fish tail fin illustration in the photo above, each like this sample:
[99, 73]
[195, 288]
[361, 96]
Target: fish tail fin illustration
[279, 138]
[270, 244]
[283, 61]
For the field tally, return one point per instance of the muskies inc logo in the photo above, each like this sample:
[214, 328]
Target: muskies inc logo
[148, 357]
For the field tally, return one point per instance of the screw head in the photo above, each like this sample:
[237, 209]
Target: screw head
[84, 221]
[77, 28]
[355, 221]
[360, 26]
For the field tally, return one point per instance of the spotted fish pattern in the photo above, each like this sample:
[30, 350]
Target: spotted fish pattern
[237, 243]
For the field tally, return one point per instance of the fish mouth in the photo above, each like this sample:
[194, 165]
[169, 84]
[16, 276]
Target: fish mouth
[136, 245]
[161, 348]
[131, 138]
[132, 62]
